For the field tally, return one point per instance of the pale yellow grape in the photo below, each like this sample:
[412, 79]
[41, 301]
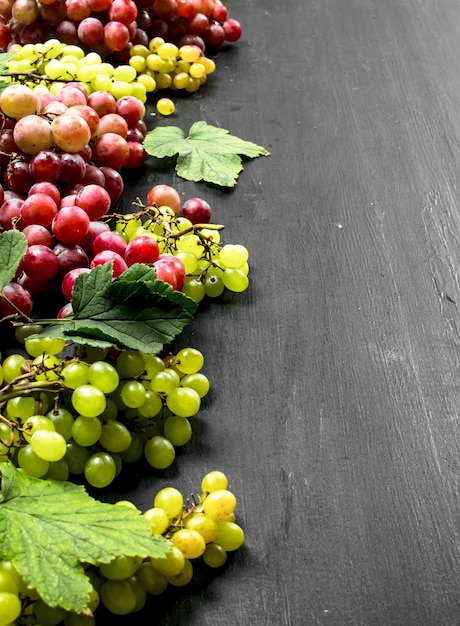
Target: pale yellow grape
[197, 70]
[52, 48]
[189, 53]
[165, 106]
[180, 80]
[190, 542]
[120, 88]
[155, 42]
[138, 62]
[94, 57]
[101, 82]
[213, 481]
[193, 85]
[74, 51]
[209, 65]
[55, 69]
[56, 87]
[189, 260]
[139, 50]
[167, 51]
[158, 518]
[171, 564]
[167, 66]
[184, 577]
[139, 91]
[124, 73]
[17, 101]
[86, 73]
[203, 80]
[154, 62]
[219, 504]
[164, 81]
[148, 81]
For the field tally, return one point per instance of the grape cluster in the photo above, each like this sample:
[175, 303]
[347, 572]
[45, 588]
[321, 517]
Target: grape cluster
[202, 531]
[47, 67]
[87, 416]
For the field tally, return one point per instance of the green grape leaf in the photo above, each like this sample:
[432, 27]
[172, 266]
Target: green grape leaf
[13, 246]
[209, 153]
[133, 311]
[50, 528]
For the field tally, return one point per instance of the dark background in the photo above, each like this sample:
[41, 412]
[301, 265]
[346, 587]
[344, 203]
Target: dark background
[335, 379]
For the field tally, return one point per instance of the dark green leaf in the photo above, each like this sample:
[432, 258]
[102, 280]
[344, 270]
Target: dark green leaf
[49, 528]
[13, 246]
[209, 153]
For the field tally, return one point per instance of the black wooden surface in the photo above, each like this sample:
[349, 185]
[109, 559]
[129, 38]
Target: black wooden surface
[335, 379]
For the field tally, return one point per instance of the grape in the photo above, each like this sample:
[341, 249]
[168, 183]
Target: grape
[71, 133]
[190, 542]
[196, 210]
[71, 224]
[12, 365]
[121, 567]
[31, 463]
[158, 518]
[76, 457]
[183, 577]
[178, 430]
[48, 445]
[219, 504]
[14, 294]
[164, 195]
[44, 614]
[104, 376]
[40, 262]
[62, 420]
[10, 607]
[130, 363]
[235, 280]
[170, 500]
[88, 400]
[118, 597]
[229, 535]
[165, 106]
[17, 101]
[170, 564]
[86, 431]
[159, 452]
[165, 381]
[115, 437]
[189, 360]
[213, 481]
[214, 556]
[100, 469]
[183, 401]
[74, 619]
[153, 582]
[33, 134]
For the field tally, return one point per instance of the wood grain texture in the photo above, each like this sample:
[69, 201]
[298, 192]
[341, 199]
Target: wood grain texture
[335, 402]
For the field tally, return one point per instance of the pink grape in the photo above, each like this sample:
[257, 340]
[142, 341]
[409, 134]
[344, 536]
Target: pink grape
[116, 36]
[90, 31]
[73, 168]
[71, 224]
[40, 262]
[109, 240]
[95, 228]
[19, 296]
[39, 208]
[32, 133]
[50, 189]
[108, 256]
[94, 200]
[70, 256]
[164, 195]
[69, 279]
[70, 132]
[102, 102]
[114, 183]
[111, 150]
[142, 249]
[36, 234]
[131, 109]
[87, 113]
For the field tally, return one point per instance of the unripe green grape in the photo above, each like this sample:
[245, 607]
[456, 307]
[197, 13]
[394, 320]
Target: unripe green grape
[115, 437]
[169, 564]
[165, 382]
[199, 382]
[171, 500]
[159, 452]
[118, 597]
[235, 280]
[76, 457]
[10, 607]
[12, 366]
[25, 330]
[219, 504]
[152, 404]
[190, 542]
[30, 463]
[135, 450]
[58, 471]
[183, 401]
[92, 353]
[133, 393]
[130, 364]
[88, 400]
[178, 430]
[1, 374]
[47, 365]
[86, 430]
[75, 375]
[153, 582]
[213, 285]
[47, 615]
[229, 535]
[202, 524]
[100, 469]
[20, 407]
[48, 445]
[140, 592]
[121, 567]
[214, 556]
[76, 619]
[214, 480]
[153, 365]
[194, 289]
[182, 578]
[158, 518]
[191, 243]
[189, 261]
[62, 420]
[189, 360]
[9, 580]
[233, 256]
[110, 412]
[37, 422]
[104, 376]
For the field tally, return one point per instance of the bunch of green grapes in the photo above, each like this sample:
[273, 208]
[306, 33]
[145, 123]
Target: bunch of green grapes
[91, 414]
[50, 65]
[202, 530]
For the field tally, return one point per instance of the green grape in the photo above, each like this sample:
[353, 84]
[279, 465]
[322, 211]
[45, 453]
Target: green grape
[189, 261]
[110, 412]
[153, 582]
[140, 592]
[233, 256]
[213, 285]
[202, 524]
[219, 504]
[74, 619]
[118, 597]
[124, 73]
[235, 280]
[152, 404]
[10, 607]
[92, 354]
[37, 422]
[182, 578]
[20, 407]
[47, 615]
[199, 382]
[158, 518]
[104, 376]
[135, 450]
[118, 462]
[190, 542]
[1, 374]
[12, 366]
[170, 500]
[48, 445]
[86, 431]
[194, 289]
[183, 401]
[178, 430]
[62, 420]
[100, 469]
[53, 345]
[76, 457]
[169, 564]
[115, 437]
[213, 481]
[214, 555]
[191, 243]
[58, 471]
[189, 360]
[165, 106]
[153, 365]
[229, 535]
[9, 578]
[159, 452]
[47, 365]
[133, 393]
[75, 375]
[130, 364]
[88, 400]
[23, 331]
[121, 567]
[31, 463]
[165, 382]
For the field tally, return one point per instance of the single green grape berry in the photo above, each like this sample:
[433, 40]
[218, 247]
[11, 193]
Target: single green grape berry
[165, 106]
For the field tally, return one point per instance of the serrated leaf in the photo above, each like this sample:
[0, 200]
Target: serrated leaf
[49, 528]
[13, 246]
[209, 153]
[133, 311]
